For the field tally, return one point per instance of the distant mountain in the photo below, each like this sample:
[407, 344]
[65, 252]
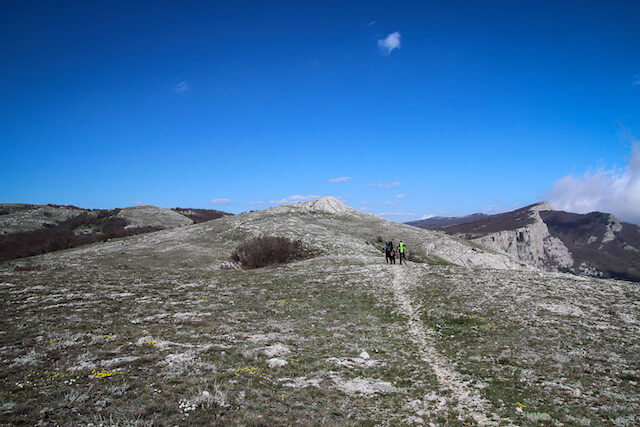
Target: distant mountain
[438, 222]
[27, 230]
[595, 244]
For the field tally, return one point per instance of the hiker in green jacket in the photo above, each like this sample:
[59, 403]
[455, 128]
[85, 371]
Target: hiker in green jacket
[402, 248]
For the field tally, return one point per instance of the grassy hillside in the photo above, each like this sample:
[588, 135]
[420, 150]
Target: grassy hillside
[162, 329]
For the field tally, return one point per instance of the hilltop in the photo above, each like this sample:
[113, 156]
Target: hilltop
[162, 328]
[27, 230]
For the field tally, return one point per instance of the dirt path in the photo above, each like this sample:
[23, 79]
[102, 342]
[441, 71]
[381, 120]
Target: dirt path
[469, 401]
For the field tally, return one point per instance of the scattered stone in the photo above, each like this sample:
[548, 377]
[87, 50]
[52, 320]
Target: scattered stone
[276, 363]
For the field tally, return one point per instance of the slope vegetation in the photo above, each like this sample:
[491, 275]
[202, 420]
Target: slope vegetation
[162, 329]
[27, 230]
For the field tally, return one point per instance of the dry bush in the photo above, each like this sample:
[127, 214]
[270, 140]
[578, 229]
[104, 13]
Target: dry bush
[267, 250]
[201, 215]
[55, 237]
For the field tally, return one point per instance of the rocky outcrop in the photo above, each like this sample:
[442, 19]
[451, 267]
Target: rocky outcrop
[595, 244]
[532, 243]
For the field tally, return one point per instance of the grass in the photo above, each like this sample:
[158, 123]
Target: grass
[545, 349]
[137, 343]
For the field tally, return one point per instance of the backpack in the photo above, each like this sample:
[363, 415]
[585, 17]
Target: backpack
[392, 253]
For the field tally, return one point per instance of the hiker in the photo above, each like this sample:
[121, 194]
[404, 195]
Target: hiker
[402, 249]
[392, 253]
[388, 247]
[387, 251]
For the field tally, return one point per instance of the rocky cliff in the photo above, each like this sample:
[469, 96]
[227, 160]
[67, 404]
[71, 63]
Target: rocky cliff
[595, 244]
[532, 243]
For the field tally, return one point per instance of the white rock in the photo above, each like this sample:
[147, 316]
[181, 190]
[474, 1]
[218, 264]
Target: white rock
[364, 355]
[276, 363]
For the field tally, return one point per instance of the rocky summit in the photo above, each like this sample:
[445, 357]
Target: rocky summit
[162, 328]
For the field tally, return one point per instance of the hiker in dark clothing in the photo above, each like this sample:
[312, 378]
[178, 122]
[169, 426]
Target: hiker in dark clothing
[391, 253]
[387, 251]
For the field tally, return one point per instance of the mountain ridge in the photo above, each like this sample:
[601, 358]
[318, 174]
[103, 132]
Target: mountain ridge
[591, 244]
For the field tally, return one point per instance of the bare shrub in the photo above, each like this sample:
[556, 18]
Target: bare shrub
[201, 215]
[55, 237]
[267, 250]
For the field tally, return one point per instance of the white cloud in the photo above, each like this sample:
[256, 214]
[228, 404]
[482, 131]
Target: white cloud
[636, 80]
[389, 202]
[402, 215]
[615, 191]
[427, 216]
[389, 184]
[181, 87]
[365, 208]
[401, 196]
[372, 23]
[392, 41]
[340, 179]
[220, 201]
[294, 199]
[139, 203]
[257, 202]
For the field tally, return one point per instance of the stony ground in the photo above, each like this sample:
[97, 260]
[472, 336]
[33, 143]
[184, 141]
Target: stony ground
[160, 329]
[331, 340]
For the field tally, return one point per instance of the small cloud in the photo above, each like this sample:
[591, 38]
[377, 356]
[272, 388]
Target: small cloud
[365, 208]
[389, 184]
[372, 23]
[392, 41]
[340, 179]
[181, 87]
[220, 201]
[401, 196]
[636, 80]
[257, 202]
[365, 202]
[427, 216]
[388, 202]
[294, 199]
[371, 185]
[139, 203]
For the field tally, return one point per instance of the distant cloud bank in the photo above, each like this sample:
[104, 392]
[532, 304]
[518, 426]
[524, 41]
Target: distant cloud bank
[389, 43]
[294, 199]
[615, 191]
[396, 214]
[221, 201]
[340, 179]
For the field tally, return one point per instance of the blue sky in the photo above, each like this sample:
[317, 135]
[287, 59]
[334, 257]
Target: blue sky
[423, 108]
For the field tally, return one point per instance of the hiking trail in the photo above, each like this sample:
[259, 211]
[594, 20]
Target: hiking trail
[469, 401]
